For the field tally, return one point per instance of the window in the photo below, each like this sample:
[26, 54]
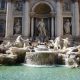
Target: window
[2, 4]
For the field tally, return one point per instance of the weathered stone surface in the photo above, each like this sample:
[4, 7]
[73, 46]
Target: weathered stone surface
[41, 58]
[7, 59]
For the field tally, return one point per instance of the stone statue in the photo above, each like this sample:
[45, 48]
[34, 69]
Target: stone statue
[66, 43]
[17, 27]
[71, 60]
[19, 41]
[57, 44]
[41, 27]
[67, 26]
[42, 30]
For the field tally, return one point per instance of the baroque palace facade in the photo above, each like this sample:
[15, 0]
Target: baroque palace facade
[60, 17]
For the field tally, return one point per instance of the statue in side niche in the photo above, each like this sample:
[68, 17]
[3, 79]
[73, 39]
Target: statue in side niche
[17, 28]
[67, 27]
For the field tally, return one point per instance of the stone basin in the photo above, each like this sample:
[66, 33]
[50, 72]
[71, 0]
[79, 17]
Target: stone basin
[41, 47]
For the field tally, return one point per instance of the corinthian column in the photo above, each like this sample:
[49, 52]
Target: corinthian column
[26, 19]
[52, 27]
[59, 28]
[32, 27]
[9, 19]
[75, 19]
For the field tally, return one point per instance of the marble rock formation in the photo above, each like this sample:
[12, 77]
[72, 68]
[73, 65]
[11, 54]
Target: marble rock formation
[8, 59]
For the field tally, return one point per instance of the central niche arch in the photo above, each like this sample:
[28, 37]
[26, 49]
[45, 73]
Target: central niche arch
[41, 10]
[42, 4]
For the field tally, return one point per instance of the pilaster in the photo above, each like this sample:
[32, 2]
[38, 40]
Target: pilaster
[59, 28]
[26, 19]
[75, 19]
[9, 19]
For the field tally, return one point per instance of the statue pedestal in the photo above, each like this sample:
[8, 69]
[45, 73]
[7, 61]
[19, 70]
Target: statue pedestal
[67, 35]
[42, 37]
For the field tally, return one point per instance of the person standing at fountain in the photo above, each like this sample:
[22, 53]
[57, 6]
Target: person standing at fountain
[42, 30]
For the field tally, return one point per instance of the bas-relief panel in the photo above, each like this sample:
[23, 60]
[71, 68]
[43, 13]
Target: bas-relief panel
[66, 5]
[18, 5]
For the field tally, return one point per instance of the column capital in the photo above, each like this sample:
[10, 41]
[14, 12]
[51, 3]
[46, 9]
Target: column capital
[8, 0]
[59, 0]
[74, 0]
[26, 0]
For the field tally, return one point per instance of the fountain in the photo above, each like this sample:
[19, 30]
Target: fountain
[41, 56]
[45, 55]
[52, 52]
[72, 58]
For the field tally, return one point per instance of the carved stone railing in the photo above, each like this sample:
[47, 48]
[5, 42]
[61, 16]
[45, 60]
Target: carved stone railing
[2, 10]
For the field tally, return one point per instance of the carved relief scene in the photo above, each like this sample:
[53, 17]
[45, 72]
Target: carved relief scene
[18, 5]
[67, 5]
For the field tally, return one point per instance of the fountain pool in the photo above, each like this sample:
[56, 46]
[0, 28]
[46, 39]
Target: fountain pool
[31, 73]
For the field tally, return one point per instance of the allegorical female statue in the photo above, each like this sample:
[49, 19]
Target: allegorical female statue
[67, 27]
[17, 27]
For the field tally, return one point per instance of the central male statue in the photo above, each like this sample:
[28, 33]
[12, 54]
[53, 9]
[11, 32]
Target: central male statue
[42, 30]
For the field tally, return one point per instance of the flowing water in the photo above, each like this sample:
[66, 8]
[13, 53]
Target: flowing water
[38, 73]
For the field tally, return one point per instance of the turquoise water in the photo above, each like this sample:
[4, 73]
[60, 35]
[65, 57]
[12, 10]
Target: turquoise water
[30, 73]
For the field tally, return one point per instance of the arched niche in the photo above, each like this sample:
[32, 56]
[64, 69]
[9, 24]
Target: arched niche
[42, 10]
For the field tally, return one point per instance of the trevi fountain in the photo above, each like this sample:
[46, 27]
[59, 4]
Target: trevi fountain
[39, 39]
[60, 51]
[40, 58]
[27, 59]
